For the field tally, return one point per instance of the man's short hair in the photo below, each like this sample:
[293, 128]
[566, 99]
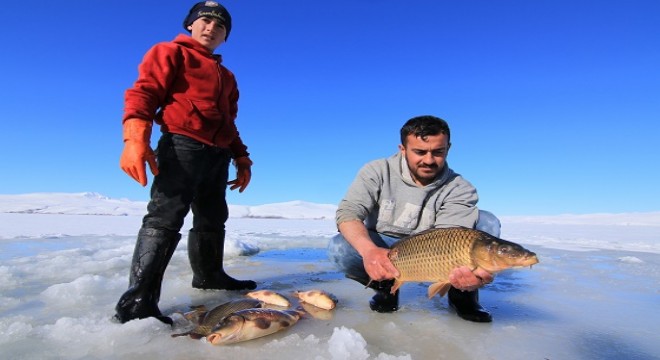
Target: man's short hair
[423, 126]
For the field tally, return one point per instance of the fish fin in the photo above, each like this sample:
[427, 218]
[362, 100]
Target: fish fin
[195, 336]
[438, 288]
[191, 333]
[445, 288]
[369, 283]
[302, 312]
[393, 254]
[195, 314]
[396, 286]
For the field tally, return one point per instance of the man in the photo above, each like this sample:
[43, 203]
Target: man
[184, 88]
[412, 191]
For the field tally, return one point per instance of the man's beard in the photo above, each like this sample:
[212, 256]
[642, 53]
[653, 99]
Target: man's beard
[427, 176]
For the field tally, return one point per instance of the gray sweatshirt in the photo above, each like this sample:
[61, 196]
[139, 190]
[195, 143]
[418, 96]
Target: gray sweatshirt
[385, 198]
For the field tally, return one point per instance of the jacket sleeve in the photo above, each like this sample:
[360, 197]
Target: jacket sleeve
[229, 102]
[156, 73]
[362, 195]
[459, 205]
[237, 147]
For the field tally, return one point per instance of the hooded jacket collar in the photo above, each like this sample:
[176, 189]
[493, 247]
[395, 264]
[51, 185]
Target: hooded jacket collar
[188, 42]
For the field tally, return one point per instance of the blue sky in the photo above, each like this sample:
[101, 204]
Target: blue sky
[554, 105]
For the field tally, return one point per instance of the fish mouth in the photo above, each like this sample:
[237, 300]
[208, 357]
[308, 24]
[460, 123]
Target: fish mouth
[222, 337]
[529, 261]
[217, 339]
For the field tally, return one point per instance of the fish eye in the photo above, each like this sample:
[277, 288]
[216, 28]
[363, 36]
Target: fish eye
[504, 250]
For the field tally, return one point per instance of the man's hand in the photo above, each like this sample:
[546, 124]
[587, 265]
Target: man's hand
[243, 174]
[378, 265]
[464, 279]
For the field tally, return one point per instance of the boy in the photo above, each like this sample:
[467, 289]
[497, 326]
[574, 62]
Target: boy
[183, 87]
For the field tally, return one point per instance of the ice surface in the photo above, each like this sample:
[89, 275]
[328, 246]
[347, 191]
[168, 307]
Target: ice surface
[594, 295]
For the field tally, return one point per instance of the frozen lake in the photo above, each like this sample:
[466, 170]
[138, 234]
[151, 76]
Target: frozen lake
[594, 294]
[58, 295]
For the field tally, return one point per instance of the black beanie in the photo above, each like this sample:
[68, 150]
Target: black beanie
[209, 9]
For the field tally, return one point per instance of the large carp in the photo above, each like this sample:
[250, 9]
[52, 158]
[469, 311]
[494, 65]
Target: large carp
[251, 324]
[207, 320]
[431, 255]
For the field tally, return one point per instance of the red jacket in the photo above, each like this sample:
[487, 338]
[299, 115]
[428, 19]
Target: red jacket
[184, 88]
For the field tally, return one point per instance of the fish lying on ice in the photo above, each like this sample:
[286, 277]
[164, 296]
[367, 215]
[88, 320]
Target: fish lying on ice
[316, 312]
[251, 324]
[431, 255]
[270, 297]
[207, 320]
[318, 298]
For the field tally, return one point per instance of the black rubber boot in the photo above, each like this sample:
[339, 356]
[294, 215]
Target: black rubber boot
[153, 251]
[466, 304]
[206, 252]
[384, 301]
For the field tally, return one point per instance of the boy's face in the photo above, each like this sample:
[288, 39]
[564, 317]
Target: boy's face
[426, 157]
[209, 32]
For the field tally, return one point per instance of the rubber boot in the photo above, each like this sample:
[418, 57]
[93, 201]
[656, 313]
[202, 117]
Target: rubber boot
[153, 251]
[466, 304]
[384, 301]
[206, 252]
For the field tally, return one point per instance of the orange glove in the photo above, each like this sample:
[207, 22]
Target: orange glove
[137, 151]
[243, 173]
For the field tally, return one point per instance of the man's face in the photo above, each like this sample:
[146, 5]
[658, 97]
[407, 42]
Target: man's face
[426, 157]
[209, 32]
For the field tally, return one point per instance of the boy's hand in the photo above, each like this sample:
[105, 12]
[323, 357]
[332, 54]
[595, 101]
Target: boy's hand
[137, 151]
[243, 174]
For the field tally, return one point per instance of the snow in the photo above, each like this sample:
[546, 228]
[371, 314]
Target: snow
[64, 261]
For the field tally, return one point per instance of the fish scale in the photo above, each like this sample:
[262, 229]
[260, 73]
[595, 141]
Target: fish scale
[428, 256]
[431, 255]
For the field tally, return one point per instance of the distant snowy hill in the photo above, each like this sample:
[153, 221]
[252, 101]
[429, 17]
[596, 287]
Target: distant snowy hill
[91, 203]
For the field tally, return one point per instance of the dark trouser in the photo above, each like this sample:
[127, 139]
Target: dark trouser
[191, 175]
[347, 259]
[351, 264]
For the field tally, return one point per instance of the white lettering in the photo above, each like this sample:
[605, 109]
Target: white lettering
[213, 13]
